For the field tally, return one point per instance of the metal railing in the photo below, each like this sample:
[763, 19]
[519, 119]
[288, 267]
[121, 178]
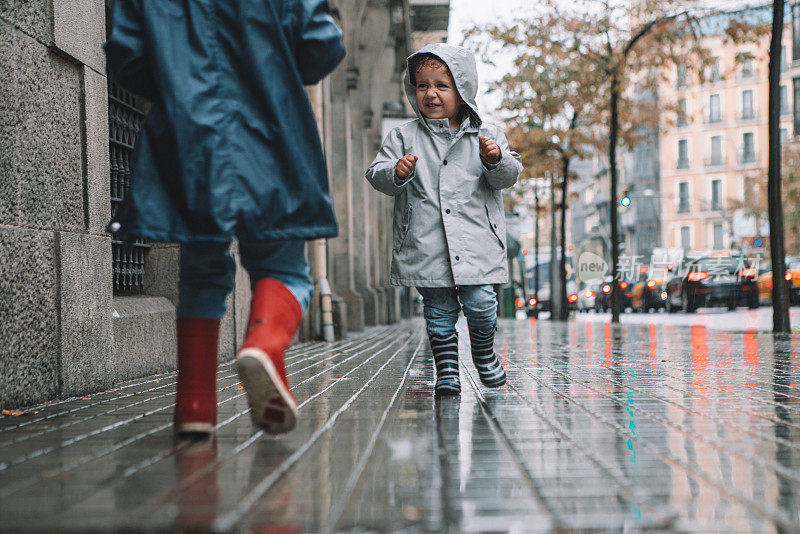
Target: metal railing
[125, 118]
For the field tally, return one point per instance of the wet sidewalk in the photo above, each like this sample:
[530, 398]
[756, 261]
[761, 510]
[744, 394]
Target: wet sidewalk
[638, 427]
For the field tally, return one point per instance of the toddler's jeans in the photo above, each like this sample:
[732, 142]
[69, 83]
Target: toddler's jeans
[441, 306]
[207, 271]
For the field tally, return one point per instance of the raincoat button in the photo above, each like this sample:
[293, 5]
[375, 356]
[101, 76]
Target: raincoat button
[457, 258]
[447, 210]
[444, 162]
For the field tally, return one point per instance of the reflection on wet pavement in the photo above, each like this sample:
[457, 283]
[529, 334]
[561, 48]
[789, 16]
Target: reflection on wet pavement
[662, 427]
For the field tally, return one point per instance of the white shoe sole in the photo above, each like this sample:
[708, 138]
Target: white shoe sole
[272, 407]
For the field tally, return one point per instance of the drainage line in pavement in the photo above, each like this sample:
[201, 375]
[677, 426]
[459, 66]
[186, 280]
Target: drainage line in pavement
[627, 495]
[134, 383]
[762, 402]
[158, 457]
[117, 478]
[259, 433]
[374, 337]
[86, 459]
[770, 513]
[227, 521]
[777, 468]
[527, 476]
[25, 437]
[35, 454]
[335, 512]
[740, 428]
[369, 343]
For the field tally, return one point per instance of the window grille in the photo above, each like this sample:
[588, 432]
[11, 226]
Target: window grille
[125, 117]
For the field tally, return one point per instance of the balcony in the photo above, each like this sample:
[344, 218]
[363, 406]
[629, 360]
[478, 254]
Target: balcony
[714, 161]
[683, 205]
[683, 163]
[713, 118]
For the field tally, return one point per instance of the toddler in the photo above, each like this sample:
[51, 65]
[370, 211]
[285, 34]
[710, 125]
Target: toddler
[446, 169]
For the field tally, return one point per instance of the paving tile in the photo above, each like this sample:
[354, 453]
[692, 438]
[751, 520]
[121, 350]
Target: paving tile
[599, 428]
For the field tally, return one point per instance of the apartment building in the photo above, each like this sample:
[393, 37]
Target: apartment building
[713, 147]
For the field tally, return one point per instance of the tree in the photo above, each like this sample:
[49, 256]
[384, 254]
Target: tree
[579, 62]
[550, 101]
[780, 293]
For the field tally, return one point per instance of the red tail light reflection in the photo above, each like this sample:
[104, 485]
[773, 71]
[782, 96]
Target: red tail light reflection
[696, 276]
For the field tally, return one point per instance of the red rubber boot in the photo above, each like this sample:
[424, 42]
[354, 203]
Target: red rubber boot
[196, 400]
[274, 318]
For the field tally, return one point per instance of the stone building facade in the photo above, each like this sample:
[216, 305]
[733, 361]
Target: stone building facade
[80, 313]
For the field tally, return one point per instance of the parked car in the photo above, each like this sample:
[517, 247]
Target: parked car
[532, 307]
[544, 297]
[711, 281]
[649, 294]
[603, 298]
[587, 297]
[764, 281]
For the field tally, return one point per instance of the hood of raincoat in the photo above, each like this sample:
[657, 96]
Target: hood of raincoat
[461, 63]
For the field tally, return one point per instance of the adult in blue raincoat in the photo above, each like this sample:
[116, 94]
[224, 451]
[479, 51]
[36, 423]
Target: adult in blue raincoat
[229, 149]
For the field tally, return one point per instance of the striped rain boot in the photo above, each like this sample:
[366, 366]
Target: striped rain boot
[489, 368]
[445, 357]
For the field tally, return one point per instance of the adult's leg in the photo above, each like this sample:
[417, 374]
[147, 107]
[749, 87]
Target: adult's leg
[480, 308]
[206, 276]
[282, 289]
[441, 308]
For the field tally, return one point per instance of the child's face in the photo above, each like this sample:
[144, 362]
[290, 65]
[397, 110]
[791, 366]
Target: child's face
[437, 96]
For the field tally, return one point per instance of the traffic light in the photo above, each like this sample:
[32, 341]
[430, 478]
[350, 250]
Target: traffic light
[625, 201]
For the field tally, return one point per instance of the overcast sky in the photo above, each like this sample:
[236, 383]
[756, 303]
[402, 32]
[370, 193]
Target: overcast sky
[466, 14]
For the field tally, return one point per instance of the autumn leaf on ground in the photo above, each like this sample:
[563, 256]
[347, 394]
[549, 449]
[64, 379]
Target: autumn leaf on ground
[17, 413]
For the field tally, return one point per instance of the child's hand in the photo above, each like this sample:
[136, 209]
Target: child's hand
[489, 150]
[405, 166]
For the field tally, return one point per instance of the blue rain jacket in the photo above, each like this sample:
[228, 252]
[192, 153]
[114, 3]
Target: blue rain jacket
[230, 146]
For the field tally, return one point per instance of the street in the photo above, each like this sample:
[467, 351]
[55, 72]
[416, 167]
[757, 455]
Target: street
[657, 426]
[742, 319]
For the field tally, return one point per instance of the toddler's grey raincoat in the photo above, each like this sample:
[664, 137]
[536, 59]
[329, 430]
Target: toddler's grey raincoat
[230, 145]
[449, 227]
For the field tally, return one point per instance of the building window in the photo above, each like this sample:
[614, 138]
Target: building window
[718, 231]
[716, 150]
[683, 154]
[683, 112]
[714, 73]
[716, 194]
[714, 110]
[796, 32]
[686, 241]
[784, 100]
[748, 148]
[747, 68]
[796, 104]
[747, 104]
[680, 77]
[783, 58]
[683, 197]
[784, 134]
